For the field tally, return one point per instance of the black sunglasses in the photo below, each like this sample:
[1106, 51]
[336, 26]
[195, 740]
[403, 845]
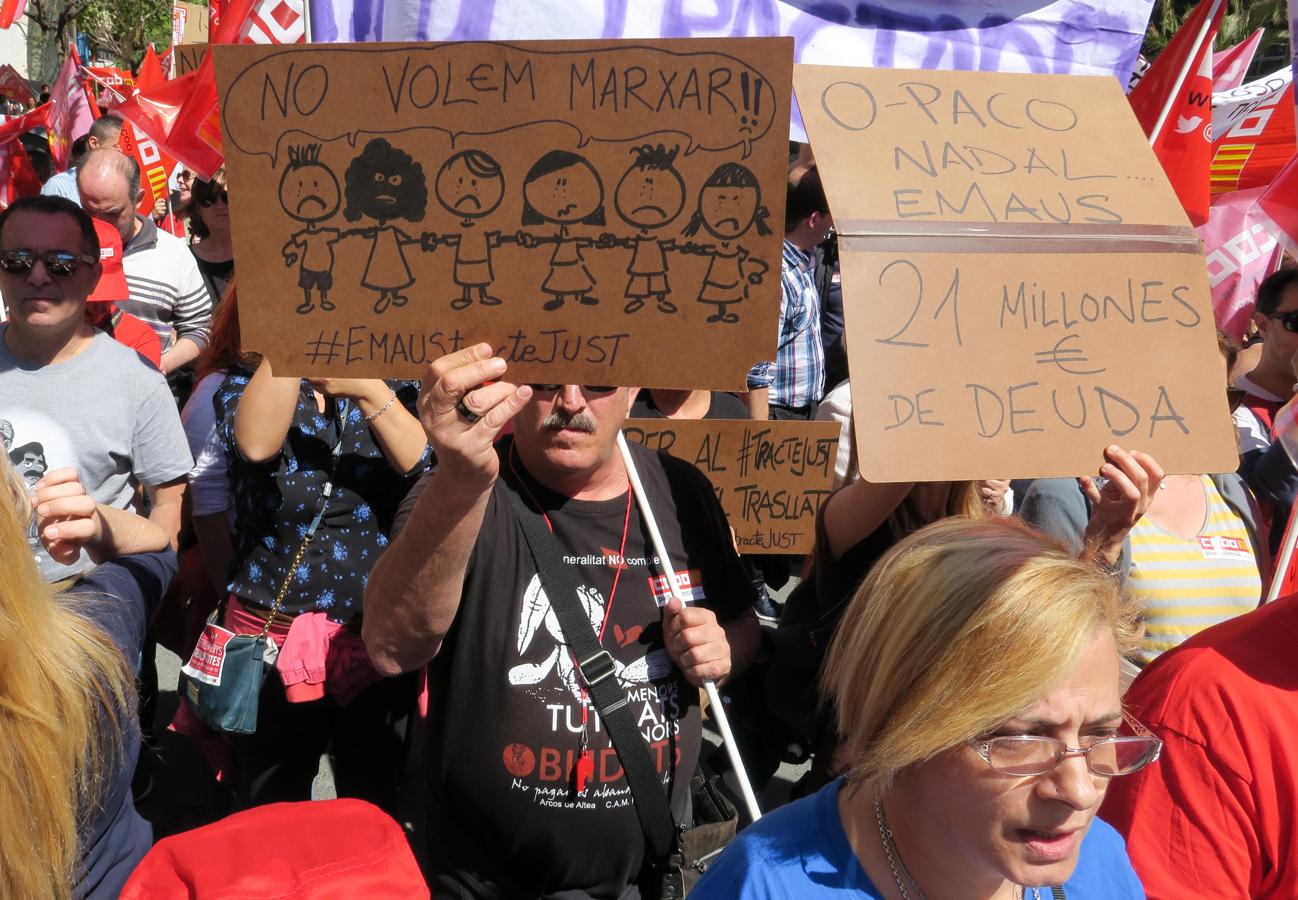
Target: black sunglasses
[1289, 320]
[222, 195]
[60, 263]
[585, 388]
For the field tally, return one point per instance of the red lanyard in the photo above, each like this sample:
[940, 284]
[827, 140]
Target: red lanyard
[585, 765]
[621, 550]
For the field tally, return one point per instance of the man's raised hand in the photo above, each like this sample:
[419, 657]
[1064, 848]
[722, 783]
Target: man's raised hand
[463, 414]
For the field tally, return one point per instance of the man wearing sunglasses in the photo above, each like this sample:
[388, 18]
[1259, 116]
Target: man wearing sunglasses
[1264, 464]
[89, 403]
[530, 800]
[167, 290]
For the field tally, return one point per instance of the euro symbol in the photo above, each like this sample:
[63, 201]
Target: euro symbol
[1064, 357]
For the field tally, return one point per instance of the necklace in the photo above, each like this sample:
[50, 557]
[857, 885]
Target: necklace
[901, 875]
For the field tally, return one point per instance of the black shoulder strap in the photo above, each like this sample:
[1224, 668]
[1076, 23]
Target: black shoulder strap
[596, 668]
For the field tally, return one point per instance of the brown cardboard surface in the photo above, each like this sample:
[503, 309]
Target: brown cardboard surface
[771, 477]
[542, 196]
[980, 147]
[1003, 365]
[188, 57]
[195, 23]
[1021, 287]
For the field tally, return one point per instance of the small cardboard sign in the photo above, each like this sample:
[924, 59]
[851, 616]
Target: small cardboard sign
[188, 57]
[598, 211]
[770, 477]
[1021, 287]
[195, 23]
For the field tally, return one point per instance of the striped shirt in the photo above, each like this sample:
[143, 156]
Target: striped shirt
[167, 290]
[797, 377]
[1187, 585]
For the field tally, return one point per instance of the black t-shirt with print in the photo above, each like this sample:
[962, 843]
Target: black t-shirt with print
[722, 406]
[506, 706]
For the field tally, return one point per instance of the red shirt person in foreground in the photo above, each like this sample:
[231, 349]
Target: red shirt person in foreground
[101, 305]
[1215, 818]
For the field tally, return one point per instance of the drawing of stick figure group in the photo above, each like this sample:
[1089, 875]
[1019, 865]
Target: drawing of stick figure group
[562, 188]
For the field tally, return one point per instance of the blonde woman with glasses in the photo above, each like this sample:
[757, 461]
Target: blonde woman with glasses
[68, 738]
[975, 678]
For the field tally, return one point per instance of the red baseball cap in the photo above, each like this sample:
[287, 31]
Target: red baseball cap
[112, 283]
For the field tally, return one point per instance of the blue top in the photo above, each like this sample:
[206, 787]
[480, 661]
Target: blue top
[275, 501]
[119, 597]
[801, 850]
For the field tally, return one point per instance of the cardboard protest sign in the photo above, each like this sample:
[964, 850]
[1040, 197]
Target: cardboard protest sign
[195, 23]
[188, 57]
[1021, 286]
[602, 212]
[771, 477]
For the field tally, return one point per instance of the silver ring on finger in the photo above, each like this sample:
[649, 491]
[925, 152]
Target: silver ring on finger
[463, 409]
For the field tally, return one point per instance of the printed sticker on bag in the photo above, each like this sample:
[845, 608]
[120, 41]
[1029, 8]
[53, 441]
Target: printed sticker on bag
[208, 658]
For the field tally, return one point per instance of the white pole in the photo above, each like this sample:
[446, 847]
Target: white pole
[1185, 72]
[718, 711]
[1283, 560]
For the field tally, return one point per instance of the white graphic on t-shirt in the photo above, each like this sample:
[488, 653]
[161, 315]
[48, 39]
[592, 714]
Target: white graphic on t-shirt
[34, 443]
[537, 611]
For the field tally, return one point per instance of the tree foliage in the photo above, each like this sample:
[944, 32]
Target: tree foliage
[1242, 18]
[124, 28]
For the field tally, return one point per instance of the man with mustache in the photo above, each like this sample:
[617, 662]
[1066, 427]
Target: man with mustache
[72, 396]
[531, 800]
[792, 385]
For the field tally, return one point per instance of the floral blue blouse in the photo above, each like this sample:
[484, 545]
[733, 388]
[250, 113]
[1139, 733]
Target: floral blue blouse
[275, 501]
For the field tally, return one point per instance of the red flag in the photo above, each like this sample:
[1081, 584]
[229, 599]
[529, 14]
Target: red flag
[234, 15]
[1240, 250]
[36, 118]
[196, 134]
[11, 11]
[1173, 103]
[1231, 65]
[178, 116]
[70, 115]
[1254, 132]
[155, 165]
[18, 176]
[1280, 201]
[150, 70]
[154, 109]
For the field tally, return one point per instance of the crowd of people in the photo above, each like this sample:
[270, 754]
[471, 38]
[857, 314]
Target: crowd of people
[995, 689]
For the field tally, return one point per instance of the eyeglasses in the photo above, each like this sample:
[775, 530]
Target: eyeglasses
[1031, 754]
[1288, 319]
[222, 196]
[585, 388]
[59, 263]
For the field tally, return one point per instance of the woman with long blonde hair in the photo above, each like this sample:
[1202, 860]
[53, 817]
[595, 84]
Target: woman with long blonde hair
[68, 739]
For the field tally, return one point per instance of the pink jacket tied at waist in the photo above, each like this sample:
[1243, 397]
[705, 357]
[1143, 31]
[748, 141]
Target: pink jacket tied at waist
[316, 656]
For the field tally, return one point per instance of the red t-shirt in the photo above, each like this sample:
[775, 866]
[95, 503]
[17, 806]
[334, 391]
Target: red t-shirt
[1215, 816]
[128, 330]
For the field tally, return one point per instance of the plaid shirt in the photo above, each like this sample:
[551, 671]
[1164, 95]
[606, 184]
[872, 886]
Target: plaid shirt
[797, 377]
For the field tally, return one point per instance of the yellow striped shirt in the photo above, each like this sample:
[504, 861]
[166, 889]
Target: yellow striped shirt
[1185, 585]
